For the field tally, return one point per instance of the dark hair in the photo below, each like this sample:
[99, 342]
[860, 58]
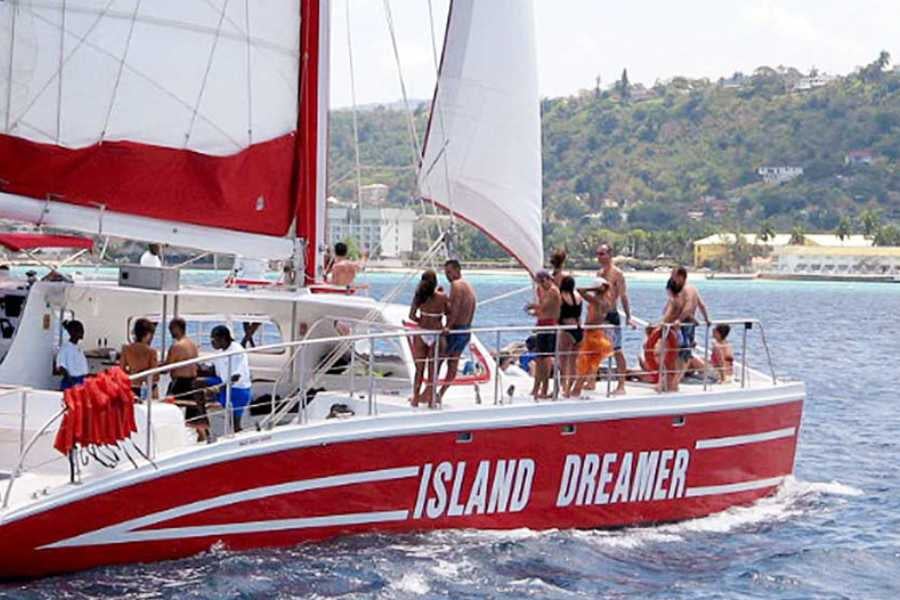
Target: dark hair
[72, 326]
[567, 284]
[681, 271]
[558, 258]
[426, 288]
[671, 286]
[221, 331]
[340, 249]
[4, 267]
[723, 330]
[452, 262]
[179, 323]
[142, 327]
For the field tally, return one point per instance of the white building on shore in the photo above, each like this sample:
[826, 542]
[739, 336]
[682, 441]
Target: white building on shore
[383, 232]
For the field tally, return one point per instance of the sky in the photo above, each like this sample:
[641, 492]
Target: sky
[579, 40]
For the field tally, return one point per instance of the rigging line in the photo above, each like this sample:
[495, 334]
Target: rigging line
[99, 49]
[13, 9]
[411, 124]
[291, 52]
[212, 54]
[112, 100]
[505, 295]
[249, 75]
[59, 80]
[354, 116]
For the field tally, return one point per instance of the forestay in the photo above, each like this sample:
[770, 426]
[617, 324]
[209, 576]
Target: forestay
[164, 113]
[482, 156]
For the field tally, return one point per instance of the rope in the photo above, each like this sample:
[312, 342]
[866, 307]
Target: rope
[212, 54]
[249, 75]
[505, 295]
[112, 99]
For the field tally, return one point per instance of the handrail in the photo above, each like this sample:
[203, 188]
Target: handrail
[15, 474]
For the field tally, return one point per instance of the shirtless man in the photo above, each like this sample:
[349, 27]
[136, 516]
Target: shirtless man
[688, 301]
[343, 270]
[546, 310]
[617, 292]
[459, 319]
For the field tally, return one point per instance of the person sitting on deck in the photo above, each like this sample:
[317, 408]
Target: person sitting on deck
[722, 357]
[70, 360]
[428, 308]
[596, 346]
[460, 315]
[343, 270]
[139, 356]
[183, 384]
[238, 366]
[546, 310]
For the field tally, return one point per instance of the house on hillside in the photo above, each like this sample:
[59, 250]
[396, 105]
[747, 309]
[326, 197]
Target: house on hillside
[859, 157]
[812, 82]
[779, 174]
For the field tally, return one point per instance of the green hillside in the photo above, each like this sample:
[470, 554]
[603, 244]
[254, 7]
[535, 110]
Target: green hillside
[655, 168]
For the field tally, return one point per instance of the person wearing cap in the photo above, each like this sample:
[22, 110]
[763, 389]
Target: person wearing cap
[237, 366]
[596, 346]
[30, 277]
[546, 309]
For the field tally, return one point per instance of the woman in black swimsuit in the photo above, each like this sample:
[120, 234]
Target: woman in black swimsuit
[569, 314]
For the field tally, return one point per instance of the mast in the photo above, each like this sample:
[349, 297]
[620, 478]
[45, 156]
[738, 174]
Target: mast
[312, 142]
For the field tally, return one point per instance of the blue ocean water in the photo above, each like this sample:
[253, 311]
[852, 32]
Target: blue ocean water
[831, 532]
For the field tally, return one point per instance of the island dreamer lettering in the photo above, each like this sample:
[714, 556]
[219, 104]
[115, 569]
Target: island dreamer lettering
[505, 487]
[611, 478]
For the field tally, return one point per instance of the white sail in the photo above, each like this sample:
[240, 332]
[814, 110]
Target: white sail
[482, 156]
[190, 122]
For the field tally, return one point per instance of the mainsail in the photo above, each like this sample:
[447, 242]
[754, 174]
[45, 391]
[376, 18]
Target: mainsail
[193, 122]
[482, 155]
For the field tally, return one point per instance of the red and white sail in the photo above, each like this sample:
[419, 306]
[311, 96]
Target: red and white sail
[192, 122]
[482, 156]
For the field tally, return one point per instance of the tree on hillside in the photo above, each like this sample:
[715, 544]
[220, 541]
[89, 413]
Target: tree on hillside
[843, 229]
[766, 231]
[623, 86]
[870, 220]
[874, 71]
[597, 81]
[798, 236]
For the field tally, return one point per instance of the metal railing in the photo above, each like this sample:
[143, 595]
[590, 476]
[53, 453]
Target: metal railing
[303, 385]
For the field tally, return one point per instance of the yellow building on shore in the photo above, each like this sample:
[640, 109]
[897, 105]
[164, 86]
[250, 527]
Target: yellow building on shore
[714, 248]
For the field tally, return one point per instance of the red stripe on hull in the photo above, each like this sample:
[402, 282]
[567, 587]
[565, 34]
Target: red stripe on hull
[161, 183]
[397, 482]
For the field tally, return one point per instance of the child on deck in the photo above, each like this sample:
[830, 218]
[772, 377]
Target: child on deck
[722, 358]
[70, 360]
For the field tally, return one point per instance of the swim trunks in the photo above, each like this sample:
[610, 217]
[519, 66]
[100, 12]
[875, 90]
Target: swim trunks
[615, 333]
[458, 340]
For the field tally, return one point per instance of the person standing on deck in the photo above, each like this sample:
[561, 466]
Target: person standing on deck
[70, 360]
[688, 301]
[618, 292]
[460, 315]
[343, 270]
[152, 257]
[182, 386]
[546, 309]
[237, 366]
[596, 346]
[140, 356]
[558, 262]
[428, 308]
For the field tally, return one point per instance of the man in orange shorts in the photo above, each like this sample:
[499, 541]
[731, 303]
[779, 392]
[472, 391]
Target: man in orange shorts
[596, 346]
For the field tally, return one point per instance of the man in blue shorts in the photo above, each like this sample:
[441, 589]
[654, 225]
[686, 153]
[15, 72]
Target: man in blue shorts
[617, 292]
[459, 320]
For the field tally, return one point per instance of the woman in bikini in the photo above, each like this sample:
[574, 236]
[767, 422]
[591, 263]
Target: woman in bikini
[570, 339]
[722, 358]
[428, 308]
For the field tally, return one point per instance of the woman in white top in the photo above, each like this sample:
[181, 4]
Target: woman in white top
[70, 360]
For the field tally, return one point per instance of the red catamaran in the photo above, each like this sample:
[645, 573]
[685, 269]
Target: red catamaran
[204, 127]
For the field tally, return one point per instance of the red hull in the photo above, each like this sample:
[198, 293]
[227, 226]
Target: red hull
[560, 479]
